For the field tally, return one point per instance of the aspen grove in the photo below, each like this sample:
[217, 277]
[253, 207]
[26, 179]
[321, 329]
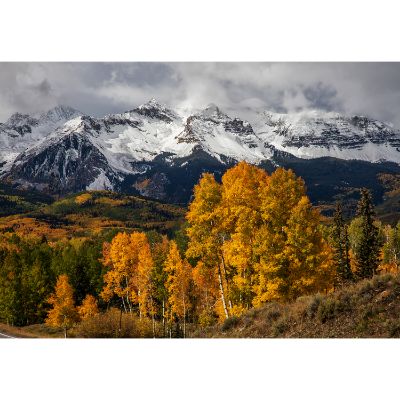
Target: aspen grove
[248, 240]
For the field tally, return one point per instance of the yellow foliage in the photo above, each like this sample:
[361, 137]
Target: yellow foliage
[88, 308]
[130, 265]
[295, 260]
[178, 282]
[83, 198]
[388, 268]
[206, 290]
[111, 202]
[63, 314]
[259, 235]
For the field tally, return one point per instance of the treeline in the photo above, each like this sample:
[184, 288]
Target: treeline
[29, 269]
[251, 239]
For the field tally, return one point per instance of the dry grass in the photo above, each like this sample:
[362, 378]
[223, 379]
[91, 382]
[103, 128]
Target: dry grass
[32, 331]
[368, 309]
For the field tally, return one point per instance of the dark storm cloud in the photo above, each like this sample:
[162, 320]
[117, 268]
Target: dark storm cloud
[100, 88]
[322, 96]
[44, 87]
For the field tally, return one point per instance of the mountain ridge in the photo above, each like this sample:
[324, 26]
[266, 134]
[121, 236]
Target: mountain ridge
[150, 148]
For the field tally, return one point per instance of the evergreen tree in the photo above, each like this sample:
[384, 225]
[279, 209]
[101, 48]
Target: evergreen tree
[368, 255]
[341, 246]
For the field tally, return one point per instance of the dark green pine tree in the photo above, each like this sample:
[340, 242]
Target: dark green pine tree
[341, 247]
[368, 255]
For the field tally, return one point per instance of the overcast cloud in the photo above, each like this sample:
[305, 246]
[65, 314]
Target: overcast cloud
[100, 88]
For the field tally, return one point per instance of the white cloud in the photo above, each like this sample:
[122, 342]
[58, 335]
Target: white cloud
[100, 88]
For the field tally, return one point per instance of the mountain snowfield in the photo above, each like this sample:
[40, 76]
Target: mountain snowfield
[63, 150]
[314, 134]
[22, 131]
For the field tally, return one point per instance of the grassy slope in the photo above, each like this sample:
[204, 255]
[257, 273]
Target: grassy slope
[368, 309]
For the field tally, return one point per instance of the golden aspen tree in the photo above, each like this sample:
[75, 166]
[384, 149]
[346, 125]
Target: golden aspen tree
[119, 279]
[159, 251]
[88, 308]
[178, 284]
[311, 266]
[294, 259]
[206, 291]
[240, 208]
[130, 265]
[277, 200]
[144, 281]
[205, 231]
[280, 196]
[63, 314]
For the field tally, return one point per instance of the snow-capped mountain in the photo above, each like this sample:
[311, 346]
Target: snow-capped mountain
[313, 134]
[21, 131]
[160, 152]
[111, 147]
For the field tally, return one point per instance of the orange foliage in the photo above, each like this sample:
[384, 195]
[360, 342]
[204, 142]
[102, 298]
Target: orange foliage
[63, 314]
[88, 308]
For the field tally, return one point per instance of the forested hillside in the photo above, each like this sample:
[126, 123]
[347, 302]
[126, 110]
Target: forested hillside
[100, 264]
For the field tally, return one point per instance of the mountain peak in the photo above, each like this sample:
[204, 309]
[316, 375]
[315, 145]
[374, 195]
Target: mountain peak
[60, 112]
[152, 102]
[213, 112]
[155, 110]
[19, 119]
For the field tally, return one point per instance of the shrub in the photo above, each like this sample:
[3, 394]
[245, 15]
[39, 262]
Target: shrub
[327, 309]
[394, 328]
[344, 302]
[313, 306]
[113, 324]
[207, 318]
[273, 313]
[366, 288]
[379, 280]
[230, 323]
[280, 326]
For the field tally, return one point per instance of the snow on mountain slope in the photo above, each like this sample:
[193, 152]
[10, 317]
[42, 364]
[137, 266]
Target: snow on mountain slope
[314, 134]
[222, 137]
[21, 131]
[62, 163]
[119, 141]
[64, 150]
[151, 130]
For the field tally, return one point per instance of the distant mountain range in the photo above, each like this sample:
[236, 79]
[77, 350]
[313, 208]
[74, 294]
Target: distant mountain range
[160, 152]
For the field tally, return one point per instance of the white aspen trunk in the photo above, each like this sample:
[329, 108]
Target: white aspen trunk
[123, 303]
[127, 295]
[221, 288]
[65, 328]
[129, 303]
[153, 319]
[120, 321]
[184, 318]
[140, 305]
[226, 279]
[163, 316]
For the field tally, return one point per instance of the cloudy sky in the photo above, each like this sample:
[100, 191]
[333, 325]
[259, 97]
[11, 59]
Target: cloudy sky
[99, 88]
